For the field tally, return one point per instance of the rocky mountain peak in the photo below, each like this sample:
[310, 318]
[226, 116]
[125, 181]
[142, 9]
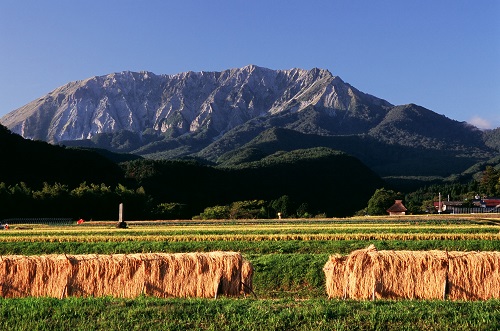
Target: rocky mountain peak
[187, 102]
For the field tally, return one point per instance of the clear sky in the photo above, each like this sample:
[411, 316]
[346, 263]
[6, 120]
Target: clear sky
[441, 54]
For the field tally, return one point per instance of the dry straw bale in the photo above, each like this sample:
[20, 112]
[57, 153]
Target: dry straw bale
[370, 274]
[474, 275]
[22, 276]
[409, 274]
[359, 281]
[247, 277]
[120, 275]
[42, 282]
[334, 275]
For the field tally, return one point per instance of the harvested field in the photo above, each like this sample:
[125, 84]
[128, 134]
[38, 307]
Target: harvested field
[371, 274]
[205, 275]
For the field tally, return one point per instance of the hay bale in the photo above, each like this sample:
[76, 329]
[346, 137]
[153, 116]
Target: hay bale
[247, 277]
[194, 274]
[370, 274]
[474, 275]
[334, 275]
[409, 274]
[45, 285]
[100, 275]
[15, 274]
[359, 279]
[158, 274]
[18, 276]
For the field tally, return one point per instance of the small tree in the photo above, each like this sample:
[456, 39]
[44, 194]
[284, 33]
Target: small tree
[428, 206]
[170, 210]
[380, 201]
[215, 212]
[302, 211]
[250, 209]
[282, 205]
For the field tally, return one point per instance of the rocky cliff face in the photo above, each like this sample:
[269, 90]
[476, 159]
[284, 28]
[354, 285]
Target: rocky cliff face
[173, 105]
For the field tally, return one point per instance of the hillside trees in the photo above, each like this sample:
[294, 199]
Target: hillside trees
[170, 211]
[100, 202]
[88, 201]
[13, 197]
[253, 209]
[318, 180]
[35, 162]
[215, 212]
[42, 180]
[492, 138]
[489, 183]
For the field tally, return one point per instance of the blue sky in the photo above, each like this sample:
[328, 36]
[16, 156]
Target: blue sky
[443, 55]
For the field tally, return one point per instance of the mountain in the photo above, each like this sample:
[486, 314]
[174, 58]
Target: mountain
[190, 102]
[244, 114]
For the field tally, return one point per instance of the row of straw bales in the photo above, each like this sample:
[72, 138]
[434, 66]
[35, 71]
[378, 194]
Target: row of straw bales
[163, 275]
[371, 274]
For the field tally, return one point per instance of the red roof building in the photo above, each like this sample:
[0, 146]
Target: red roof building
[491, 202]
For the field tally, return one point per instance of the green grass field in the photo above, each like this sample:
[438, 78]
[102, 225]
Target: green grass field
[288, 257]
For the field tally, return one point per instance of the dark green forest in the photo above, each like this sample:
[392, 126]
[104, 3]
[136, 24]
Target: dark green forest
[39, 180]
[314, 180]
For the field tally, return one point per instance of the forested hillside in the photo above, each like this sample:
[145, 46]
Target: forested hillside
[35, 162]
[278, 171]
[384, 159]
[492, 138]
[327, 181]
[42, 180]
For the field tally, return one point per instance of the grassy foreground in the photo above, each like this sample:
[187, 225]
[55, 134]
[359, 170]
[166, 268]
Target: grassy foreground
[288, 279]
[248, 314]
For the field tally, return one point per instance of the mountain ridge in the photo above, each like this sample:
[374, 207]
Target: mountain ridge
[183, 103]
[214, 116]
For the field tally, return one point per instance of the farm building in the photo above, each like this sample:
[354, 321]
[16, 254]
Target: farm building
[447, 206]
[397, 209]
[490, 203]
[484, 205]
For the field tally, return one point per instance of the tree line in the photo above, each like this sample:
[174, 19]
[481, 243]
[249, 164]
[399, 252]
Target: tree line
[100, 202]
[422, 200]
[92, 201]
[87, 201]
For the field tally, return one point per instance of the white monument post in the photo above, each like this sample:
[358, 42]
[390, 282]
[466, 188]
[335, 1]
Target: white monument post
[120, 213]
